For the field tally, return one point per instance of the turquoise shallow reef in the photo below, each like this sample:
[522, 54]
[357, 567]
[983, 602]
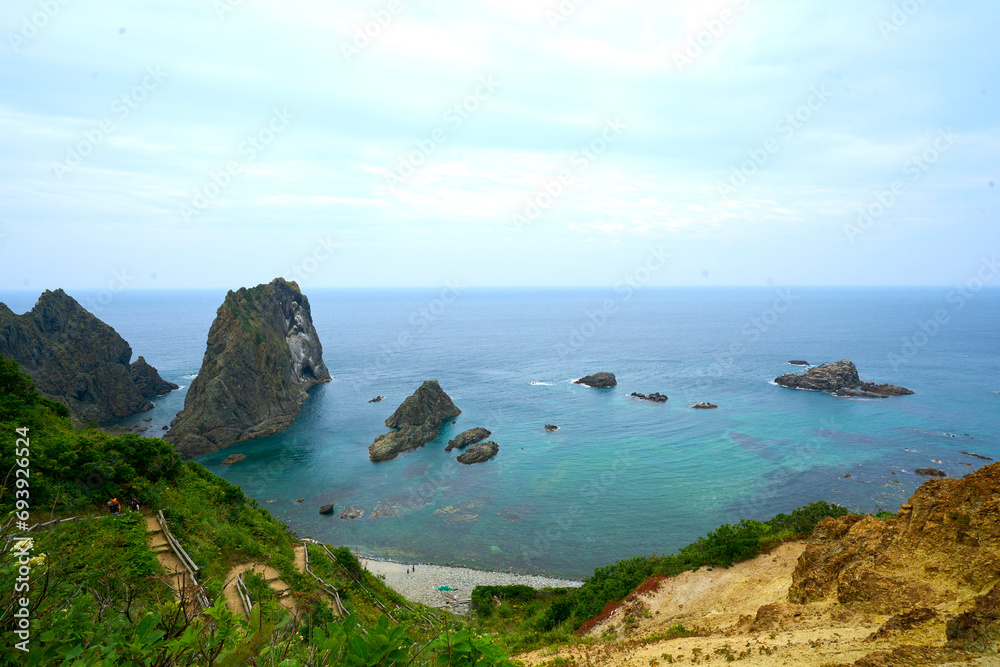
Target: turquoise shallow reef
[621, 476]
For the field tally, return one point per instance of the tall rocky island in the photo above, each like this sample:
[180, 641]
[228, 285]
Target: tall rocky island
[263, 355]
[78, 360]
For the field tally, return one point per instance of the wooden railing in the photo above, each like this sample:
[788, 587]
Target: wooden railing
[182, 555]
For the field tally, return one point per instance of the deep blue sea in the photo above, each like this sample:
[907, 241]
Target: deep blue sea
[621, 477]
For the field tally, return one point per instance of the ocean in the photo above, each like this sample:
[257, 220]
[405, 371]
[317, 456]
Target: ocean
[621, 476]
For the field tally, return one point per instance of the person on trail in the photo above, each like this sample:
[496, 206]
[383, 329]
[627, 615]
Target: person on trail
[113, 506]
[134, 503]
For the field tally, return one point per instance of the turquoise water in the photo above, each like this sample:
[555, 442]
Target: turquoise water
[621, 477]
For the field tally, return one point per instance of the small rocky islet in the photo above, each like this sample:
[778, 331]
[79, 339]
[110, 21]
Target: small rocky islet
[839, 378]
[415, 422]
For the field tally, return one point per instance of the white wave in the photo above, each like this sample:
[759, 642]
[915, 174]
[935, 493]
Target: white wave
[190, 376]
[545, 384]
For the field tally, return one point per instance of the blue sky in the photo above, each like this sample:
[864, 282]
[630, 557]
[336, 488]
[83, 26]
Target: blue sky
[220, 143]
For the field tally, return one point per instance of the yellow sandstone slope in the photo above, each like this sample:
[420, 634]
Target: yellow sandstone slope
[921, 588]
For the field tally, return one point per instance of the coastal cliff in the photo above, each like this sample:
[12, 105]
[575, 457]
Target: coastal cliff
[263, 355]
[78, 360]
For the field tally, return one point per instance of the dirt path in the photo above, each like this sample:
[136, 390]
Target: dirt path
[300, 557]
[177, 576]
[273, 578]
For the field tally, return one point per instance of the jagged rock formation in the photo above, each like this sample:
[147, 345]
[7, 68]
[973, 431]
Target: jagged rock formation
[978, 629]
[599, 380]
[263, 355]
[78, 360]
[148, 381]
[465, 438]
[415, 422]
[704, 406]
[952, 523]
[841, 378]
[798, 362]
[930, 472]
[479, 453]
[655, 397]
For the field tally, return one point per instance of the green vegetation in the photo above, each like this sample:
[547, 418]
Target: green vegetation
[526, 622]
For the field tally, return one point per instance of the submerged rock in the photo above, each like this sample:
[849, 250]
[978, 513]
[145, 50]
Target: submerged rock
[840, 377]
[415, 422]
[479, 453]
[598, 380]
[931, 472]
[465, 438]
[263, 355]
[77, 360]
[234, 458]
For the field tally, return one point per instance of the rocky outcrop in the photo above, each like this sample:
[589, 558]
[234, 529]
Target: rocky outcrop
[479, 453]
[655, 397]
[377, 399]
[233, 458]
[76, 359]
[930, 472]
[465, 438]
[326, 509]
[798, 362]
[840, 377]
[263, 355]
[598, 380]
[551, 427]
[978, 629]
[148, 381]
[704, 406]
[954, 526]
[415, 422]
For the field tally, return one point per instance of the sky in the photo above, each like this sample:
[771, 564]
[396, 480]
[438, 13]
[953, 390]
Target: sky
[222, 143]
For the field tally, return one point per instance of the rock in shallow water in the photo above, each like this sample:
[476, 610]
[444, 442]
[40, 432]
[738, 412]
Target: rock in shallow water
[598, 380]
[465, 438]
[930, 472]
[233, 458]
[326, 509]
[415, 422]
[479, 453]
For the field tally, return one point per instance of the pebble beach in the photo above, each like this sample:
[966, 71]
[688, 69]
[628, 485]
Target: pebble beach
[422, 581]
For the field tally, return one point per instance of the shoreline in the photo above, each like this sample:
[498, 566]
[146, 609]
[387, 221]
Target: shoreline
[420, 581]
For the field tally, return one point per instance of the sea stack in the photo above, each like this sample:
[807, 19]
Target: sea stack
[262, 357]
[78, 360]
[840, 378]
[415, 422]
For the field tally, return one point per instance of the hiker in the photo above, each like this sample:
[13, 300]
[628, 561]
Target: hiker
[134, 503]
[113, 506]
